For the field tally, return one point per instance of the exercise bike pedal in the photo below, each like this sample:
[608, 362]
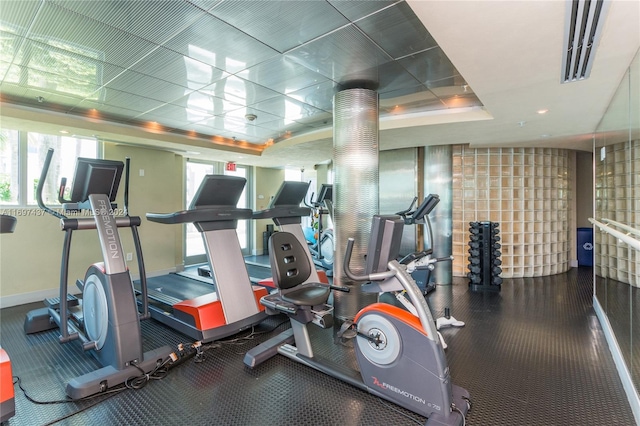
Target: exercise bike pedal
[346, 332]
[54, 302]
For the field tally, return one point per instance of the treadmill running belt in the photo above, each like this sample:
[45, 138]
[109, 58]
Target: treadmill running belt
[178, 286]
[256, 272]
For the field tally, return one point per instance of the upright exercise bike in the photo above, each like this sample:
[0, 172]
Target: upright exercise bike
[399, 355]
[106, 321]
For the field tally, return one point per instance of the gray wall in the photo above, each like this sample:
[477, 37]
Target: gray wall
[584, 189]
[399, 173]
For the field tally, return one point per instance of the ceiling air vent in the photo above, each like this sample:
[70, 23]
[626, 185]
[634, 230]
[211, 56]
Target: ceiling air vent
[585, 19]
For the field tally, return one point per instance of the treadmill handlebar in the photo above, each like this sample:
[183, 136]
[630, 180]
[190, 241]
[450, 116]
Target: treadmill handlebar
[282, 211]
[201, 214]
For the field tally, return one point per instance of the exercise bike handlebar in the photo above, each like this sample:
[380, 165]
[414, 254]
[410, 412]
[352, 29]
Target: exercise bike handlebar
[376, 276]
[40, 187]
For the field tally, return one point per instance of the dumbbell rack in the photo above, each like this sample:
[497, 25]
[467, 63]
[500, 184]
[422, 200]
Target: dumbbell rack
[484, 257]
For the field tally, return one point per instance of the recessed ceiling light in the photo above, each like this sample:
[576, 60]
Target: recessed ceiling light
[544, 136]
[543, 111]
[64, 131]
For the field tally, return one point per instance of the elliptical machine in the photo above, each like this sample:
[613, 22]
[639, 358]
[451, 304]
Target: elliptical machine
[106, 320]
[320, 239]
[420, 264]
[400, 358]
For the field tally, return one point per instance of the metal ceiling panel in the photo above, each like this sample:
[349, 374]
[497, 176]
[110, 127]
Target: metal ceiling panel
[317, 120]
[207, 104]
[204, 4]
[281, 24]
[170, 66]
[451, 87]
[405, 101]
[429, 66]
[283, 129]
[343, 55]
[462, 101]
[319, 95]
[153, 20]
[282, 75]
[392, 76]
[260, 116]
[41, 98]
[239, 90]
[179, 63]
[18, 15]
[356, 9]
[76, 33]
[397, 30]
[52, 87]
[216, 43]
[111, 98]
[65, 64]
[11, 46]
[178, 115]
[233, 128]
[117, 114]
[143, 85]
[288, 108]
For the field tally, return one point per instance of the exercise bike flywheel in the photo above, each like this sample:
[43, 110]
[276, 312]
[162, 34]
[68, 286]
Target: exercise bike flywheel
[383, 345]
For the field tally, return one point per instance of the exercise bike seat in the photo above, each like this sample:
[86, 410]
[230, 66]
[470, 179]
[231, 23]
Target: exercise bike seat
[310, 294]
[291, 268]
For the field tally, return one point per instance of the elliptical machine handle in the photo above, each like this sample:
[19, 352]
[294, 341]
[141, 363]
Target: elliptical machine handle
[127, 163]
[40, 187]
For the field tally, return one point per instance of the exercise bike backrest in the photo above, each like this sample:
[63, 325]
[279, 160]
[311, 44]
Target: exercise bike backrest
[383, 248]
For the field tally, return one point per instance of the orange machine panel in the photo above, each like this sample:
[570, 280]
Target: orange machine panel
[393, 311]
[7, 403]
[206, 310]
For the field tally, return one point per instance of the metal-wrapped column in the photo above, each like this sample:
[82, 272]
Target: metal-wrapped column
[355, 188]
[438, 179]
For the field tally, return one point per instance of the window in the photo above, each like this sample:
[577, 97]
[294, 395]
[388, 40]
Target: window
[194, 246]
[22, 157]
[195, 172]
[9, 167]
[300, 175]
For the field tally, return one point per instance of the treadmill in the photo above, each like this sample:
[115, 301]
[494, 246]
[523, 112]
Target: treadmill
[286, 212]
[194, 307]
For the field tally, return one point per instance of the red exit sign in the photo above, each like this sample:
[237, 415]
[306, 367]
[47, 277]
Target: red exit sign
[231, 167]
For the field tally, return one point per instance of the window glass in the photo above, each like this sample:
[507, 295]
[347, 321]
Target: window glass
[195, 174]
[67, 150]
[243, 203]
[9, 166]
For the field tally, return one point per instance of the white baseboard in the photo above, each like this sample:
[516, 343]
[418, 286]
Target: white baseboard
[40, 295]
[34, 296]
[618, 359]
